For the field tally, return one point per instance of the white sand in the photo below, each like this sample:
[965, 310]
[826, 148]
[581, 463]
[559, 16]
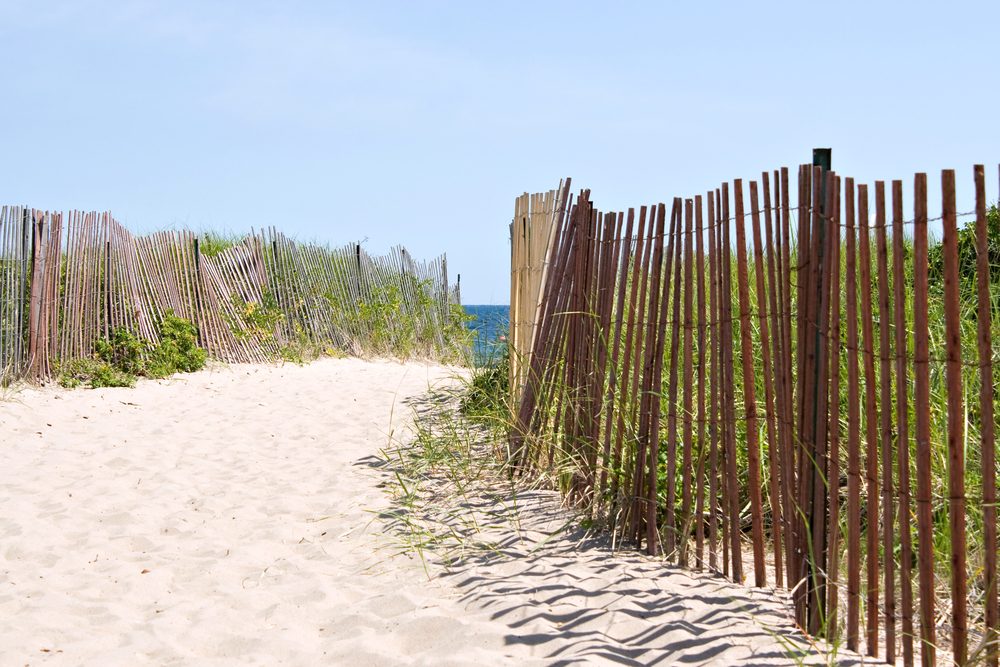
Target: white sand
[226, 518]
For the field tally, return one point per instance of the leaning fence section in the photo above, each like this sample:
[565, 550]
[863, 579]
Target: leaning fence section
[786, 381]
[69, 280]
[530, 235]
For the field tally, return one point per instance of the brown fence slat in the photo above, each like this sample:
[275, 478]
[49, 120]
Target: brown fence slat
[956, 421]
[922, 435]
[749, 390]
[988, 435]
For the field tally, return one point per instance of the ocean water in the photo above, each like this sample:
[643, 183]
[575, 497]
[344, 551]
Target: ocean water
[490, 325]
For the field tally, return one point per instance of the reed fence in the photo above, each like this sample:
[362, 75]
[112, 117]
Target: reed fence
[68, 280]
[705, 378]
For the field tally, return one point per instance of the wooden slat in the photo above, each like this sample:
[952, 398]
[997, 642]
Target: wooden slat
[853, 425]
[764, 341]
[987, 417]
[687, 457]
[699, 272]
[871, 428]
[729, 399]
[922, 436]
[956, 421]
[885, 413]
[902, 423]
[833, 420]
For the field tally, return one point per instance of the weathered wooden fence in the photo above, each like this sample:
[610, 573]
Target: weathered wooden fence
[706, 378]
[530, 237]
[67, 280]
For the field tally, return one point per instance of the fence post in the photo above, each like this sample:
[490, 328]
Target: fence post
[357, 255]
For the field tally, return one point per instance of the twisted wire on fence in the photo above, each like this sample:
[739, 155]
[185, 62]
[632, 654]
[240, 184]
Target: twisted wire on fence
[785, 378]
[67, 281]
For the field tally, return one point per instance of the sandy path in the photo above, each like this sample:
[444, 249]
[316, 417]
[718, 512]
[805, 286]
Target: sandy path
[218, 518]
[225, 518]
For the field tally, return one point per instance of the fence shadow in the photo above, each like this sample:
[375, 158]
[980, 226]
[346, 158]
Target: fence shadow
[567, 593]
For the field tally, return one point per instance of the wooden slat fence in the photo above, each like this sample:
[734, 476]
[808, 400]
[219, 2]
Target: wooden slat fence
[67, 280]
[777, 384]
[531, 235]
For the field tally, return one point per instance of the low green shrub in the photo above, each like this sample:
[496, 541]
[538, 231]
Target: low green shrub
[124, 351]
[255, 320]
[178, 351]
[95, 374]
[123, 357]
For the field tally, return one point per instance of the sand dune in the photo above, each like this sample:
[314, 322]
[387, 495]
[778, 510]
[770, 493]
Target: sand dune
[229, 518]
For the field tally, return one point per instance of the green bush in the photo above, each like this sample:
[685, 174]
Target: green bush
[123, 357]
[968, 260]
[95, 374]
[178, 351]
[124, 351]
[255, 320]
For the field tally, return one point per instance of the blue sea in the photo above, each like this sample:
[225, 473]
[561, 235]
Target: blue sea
[490, 326]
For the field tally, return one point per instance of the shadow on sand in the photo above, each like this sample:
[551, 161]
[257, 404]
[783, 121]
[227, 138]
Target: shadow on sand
[565, 592]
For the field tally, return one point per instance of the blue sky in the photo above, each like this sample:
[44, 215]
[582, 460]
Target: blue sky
[419, 122]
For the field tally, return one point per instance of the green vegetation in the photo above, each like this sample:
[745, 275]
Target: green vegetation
[487, 395]
[95, 374]
[967, 258]
[123, 357]
[302, 319]
[388, 323]
[450, 492]
[212, 244]
[458, 336]
[258, 320]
